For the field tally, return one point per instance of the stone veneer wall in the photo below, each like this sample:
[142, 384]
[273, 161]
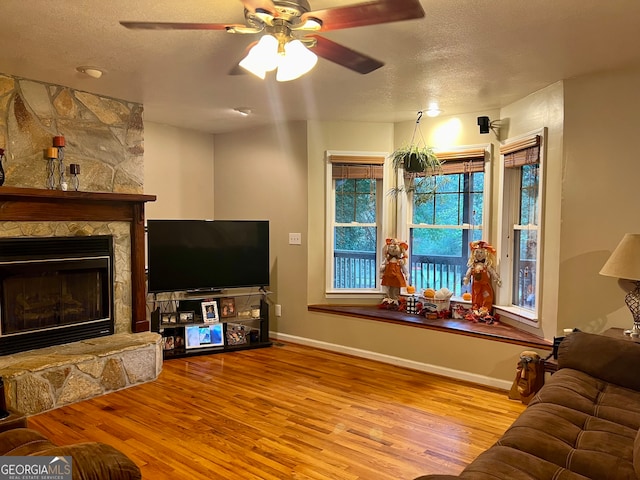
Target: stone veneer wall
[103, 135]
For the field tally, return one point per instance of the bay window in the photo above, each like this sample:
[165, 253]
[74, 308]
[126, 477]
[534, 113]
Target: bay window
[446, 213]
[354, 219]
[521, 193]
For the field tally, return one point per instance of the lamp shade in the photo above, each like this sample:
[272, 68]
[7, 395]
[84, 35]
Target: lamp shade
[263, 57]
[624, 262]
[296, 61]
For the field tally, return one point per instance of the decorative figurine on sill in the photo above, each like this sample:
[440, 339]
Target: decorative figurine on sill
[481, 273]
[394, 271]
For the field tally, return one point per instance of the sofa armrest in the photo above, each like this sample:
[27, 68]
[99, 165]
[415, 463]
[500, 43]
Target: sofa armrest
[96, 461]
[613, 360]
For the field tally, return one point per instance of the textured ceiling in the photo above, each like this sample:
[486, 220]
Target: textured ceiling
[466, 55]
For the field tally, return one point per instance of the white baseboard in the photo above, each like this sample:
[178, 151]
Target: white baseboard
[400, 362]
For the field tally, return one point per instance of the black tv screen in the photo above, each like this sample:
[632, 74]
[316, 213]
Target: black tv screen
[207, 255]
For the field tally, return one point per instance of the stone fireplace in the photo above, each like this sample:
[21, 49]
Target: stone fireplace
[54, 290]
[105, 138]
[102, 237]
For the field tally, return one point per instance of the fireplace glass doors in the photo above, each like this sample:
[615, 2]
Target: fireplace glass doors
[54, 290]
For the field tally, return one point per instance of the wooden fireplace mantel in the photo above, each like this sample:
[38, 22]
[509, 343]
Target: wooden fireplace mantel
[40, 205]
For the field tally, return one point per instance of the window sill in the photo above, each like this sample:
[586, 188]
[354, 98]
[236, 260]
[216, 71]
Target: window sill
[353, 294]
[499, 332]
[521, 315]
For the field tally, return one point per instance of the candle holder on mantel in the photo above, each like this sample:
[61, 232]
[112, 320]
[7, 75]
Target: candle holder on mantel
[74, 169]
[51, 155]
[1, 169]
[58, 142]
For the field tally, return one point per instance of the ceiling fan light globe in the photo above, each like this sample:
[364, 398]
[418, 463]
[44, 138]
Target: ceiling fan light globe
[262, 58]
[312, 24]
[296, 61]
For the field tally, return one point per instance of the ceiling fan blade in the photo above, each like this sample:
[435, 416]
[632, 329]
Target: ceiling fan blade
[344, 56]
[179, 26]
[367, 13]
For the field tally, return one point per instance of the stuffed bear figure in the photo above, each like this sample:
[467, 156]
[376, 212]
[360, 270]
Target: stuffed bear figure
[481, 272]
[394, 271]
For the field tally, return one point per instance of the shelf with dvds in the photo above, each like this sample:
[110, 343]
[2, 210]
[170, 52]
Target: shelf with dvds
[197, 324]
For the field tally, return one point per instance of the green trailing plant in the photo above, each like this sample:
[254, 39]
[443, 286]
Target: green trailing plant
[416, 159]
[420, 164]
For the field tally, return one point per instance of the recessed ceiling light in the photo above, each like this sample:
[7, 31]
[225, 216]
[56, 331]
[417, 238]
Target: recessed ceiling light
[433, 112]
[93, 72]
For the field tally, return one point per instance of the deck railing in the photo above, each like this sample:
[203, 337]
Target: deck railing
[354, 269]
[429, 271]
[359, 269]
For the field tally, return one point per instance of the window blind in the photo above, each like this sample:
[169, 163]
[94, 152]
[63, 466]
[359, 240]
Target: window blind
[520, 153]
[470, 160]
[357, 166]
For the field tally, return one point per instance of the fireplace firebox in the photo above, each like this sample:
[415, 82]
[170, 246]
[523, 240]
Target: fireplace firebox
[54, 290]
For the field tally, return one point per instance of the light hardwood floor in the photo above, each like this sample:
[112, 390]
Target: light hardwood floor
[289, 412]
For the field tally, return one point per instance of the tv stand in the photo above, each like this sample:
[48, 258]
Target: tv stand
[243, 319]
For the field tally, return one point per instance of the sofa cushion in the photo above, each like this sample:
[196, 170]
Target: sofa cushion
[91, 460]
[582, 392]
[582, 424]
[96, 461]
[22, 442]
[607, 358]
[506, 462]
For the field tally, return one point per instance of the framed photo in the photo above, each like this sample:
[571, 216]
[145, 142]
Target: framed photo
[187, 317]
[228, 307]
[168, 343]
[236, 334]
[169, 317]
[210, 312]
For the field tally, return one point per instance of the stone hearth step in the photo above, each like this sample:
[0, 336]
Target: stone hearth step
[48, 378]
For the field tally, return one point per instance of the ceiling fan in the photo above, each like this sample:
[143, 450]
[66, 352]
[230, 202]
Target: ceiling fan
[292, 24]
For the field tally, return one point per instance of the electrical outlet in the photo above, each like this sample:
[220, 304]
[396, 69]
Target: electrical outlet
[295, 239]
[278, 309]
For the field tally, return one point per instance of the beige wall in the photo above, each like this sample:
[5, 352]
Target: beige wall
[261, 174]
[279, 174]
[178, 169]
[600, 188]
[336, 136]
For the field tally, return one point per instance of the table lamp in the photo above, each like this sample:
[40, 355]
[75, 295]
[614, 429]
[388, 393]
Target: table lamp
[624, 263]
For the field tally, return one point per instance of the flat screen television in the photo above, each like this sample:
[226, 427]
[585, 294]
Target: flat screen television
[207, 255]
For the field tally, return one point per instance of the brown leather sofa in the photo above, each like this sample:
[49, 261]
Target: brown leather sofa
[583, 424]
[90, 461]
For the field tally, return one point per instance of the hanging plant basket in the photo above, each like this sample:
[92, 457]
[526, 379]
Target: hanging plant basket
[419, 164]
[415, 159]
